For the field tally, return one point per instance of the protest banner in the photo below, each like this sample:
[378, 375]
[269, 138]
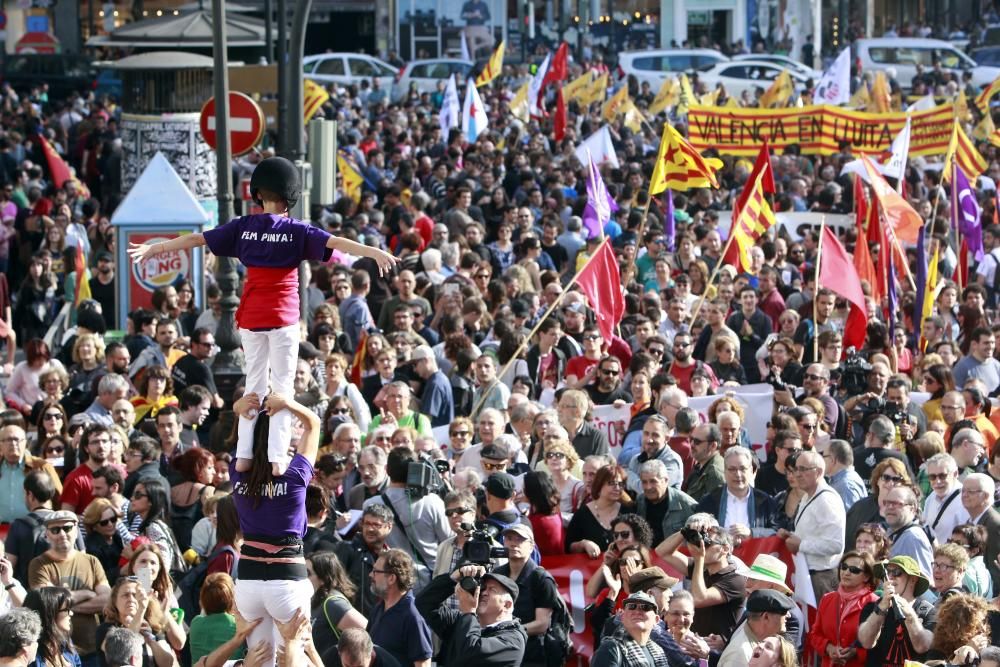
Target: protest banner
[816, 129]
[757, 401]
[794, 224]
[612, 422]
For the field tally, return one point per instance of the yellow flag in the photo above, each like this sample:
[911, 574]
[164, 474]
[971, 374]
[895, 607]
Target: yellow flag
[519, 105]
[493, 66]
[351, 179]
[731, 103]
[881, 98]
[985, 129]
[667, 96]
[961, 149]
[686, 96]
[598, 90]
[615, 105]
[962, 108]
[860, 99]
[314, 96]
[633, 116]
[983, 101]
[709, 99]
[680, 167]
[779, 92]
[578, 87]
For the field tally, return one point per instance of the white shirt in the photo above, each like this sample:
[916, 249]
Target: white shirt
[736, 509]
[820, 522]
[953, 515]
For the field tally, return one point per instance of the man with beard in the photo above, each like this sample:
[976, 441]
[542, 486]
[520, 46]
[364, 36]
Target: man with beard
[905, 531]
[358, 556]
[665, 509]
[102, 287]
[608, 389]
[371, 465]
[193, 368]
[116, 360]
[655, 432]
[825, 302]
[395, 624]
[684, 365]
[78, 489]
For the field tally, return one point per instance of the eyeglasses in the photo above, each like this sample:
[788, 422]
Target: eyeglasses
[801, 469]
[618, 484]
[892, 479]
[639, 606]
[895, 503]
[494, 467]
[938, 475]
[853, 569]
[788, 321]
[138, 495]
[943, 566]
[377, 571]
[699, 441]
[52, 415]
[622, 534]
[68, 528]
[455, 511]
[609, 371]
[106, 522]
[592, 337]
[894, 572]
[461, 434]
[813, 376]
[554, 455]
[791, 449]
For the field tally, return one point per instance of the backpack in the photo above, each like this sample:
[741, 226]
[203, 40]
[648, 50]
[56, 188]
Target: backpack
[190, 584]
[557, 642]
[536, 555]
[26, 550]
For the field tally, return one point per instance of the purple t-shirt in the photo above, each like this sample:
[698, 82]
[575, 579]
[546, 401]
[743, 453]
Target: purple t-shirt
[271, 247]
[281, 511]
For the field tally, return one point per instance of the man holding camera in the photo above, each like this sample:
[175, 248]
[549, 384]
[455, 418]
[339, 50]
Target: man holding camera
[538, 595]
[717, 587]
[483, 631]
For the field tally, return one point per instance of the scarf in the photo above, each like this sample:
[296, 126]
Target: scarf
[146, 408]
[848, 603]
[635, 656]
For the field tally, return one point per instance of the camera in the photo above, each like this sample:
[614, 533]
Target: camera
[774, 378]
[480, 549]
[853, 373]
[880, 406]
[424, 476]
[695, 536]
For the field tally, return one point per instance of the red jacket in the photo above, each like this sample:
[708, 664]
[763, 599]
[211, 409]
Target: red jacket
[830, 628]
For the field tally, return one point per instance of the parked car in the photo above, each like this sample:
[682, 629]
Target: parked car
[746, 75]
[347, 68]
[784, 61]
[426, 74]
[64, 73]
[905, 53]
[655, 66]
[988, 56]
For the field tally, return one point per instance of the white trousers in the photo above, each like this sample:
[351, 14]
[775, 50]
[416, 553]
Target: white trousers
[271, 600]
[270, 358]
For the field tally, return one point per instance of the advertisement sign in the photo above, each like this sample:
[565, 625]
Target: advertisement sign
[165, 269]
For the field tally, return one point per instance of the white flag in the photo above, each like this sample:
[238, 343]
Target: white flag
[600, 149]
[896, 166]
[465, 47]
[834, 86]
[535, 88]
[448, 116]
[925, 103]
[474, 119]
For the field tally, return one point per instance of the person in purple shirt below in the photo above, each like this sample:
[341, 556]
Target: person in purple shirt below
[271, 245]
[272, 581]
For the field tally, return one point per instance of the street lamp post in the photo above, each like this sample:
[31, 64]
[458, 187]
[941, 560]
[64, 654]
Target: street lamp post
[228, 366]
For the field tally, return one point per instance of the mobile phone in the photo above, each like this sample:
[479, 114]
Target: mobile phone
[145, 579]
[449, 289]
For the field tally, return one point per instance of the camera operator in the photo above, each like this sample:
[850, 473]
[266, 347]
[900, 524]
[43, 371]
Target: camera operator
[877, 446]
[502, 512]
[855, 406]
[538, 595]
[483, 631]
[816, 384]
[897, 392]
[716, 585]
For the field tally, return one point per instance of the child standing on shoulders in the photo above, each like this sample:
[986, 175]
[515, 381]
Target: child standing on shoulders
[271, 245]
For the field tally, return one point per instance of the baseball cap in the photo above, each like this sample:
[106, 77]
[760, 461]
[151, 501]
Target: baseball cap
[642, 597]
[520, 529]
[495, 451]
[104, 255]
[506, 582]
[500, 485]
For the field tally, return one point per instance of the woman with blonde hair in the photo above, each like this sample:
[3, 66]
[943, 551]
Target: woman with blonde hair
[338, 384]
[103, 541]
[774, 652]
[961, 623]
[886, 476]
[561, 460]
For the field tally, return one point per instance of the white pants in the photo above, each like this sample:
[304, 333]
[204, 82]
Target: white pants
[270, 358]
[271, 600]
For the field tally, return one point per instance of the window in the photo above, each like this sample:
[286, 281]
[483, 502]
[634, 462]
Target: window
[309, 67]
[648, 63]
[734, 72]
[363, 68]
[331, 67]
[882, 55]
[703, 62]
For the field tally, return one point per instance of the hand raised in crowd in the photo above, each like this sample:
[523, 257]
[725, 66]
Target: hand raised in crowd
[384, 260]
[612, 581]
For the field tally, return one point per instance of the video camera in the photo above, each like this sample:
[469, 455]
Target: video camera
[480, 549]
[853, 373]
[880, 406]
[425, 476]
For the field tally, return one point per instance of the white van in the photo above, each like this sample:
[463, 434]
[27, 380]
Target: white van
[905, 53]
[655, 66]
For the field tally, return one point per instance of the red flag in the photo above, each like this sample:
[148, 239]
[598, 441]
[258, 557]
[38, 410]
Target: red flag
[58, 169]
[559, 120]
[600, 280]
[875, 236]
[961, 276]
[836, 272]
[761, 166]
[357, 364]
[557, 68]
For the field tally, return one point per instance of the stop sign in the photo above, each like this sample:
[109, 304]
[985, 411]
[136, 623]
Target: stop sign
[246, 123]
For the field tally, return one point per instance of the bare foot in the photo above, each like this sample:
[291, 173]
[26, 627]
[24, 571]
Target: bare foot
[243, 465]
[278, 469]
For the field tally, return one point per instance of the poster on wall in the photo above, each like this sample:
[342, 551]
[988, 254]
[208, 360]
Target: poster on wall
[164, 269]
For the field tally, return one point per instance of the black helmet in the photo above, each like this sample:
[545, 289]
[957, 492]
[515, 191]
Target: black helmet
[277, 175]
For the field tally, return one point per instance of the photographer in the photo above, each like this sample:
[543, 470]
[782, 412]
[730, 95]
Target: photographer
[895, 625]
[538, 595]
[816, 384]
[483, 631]
[717, 587]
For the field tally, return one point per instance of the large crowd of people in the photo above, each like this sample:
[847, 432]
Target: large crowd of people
[441, 442]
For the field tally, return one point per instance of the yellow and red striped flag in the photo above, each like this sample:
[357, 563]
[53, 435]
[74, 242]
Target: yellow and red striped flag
[753, 221]
[313, 98]
[82, 276]
[493, 66]
[962, 149]
[616, 105]
[680, 167]
[983, 101]
[351, 179]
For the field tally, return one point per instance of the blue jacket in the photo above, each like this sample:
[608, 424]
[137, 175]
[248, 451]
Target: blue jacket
[760, 512]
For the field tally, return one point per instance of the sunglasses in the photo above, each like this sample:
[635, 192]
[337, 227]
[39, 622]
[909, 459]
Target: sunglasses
[55, 450]
[894, 572]
[622, 534]
[106, 522]
[494, 467]
[658, 351]
[853, 569]
[53, 415]
[68, 528]
[610, 372]
[455, 511]
[639, 606]
[592, 337]
[461, 434]
[554, 455]
[936, 475]
[892, 479]
[139, 496]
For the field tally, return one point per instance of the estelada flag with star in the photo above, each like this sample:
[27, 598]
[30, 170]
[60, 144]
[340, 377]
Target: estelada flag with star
[680, 167]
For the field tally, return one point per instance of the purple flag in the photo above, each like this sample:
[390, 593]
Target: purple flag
[965, 212]
[669, 225]
[600, 203]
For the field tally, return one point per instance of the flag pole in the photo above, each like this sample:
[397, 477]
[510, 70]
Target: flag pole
[630, 267]
[548, 311]
[819, 255]
[715, 272]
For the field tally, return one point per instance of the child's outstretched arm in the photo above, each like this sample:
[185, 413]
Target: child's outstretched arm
[384, 260]
[140, 252]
